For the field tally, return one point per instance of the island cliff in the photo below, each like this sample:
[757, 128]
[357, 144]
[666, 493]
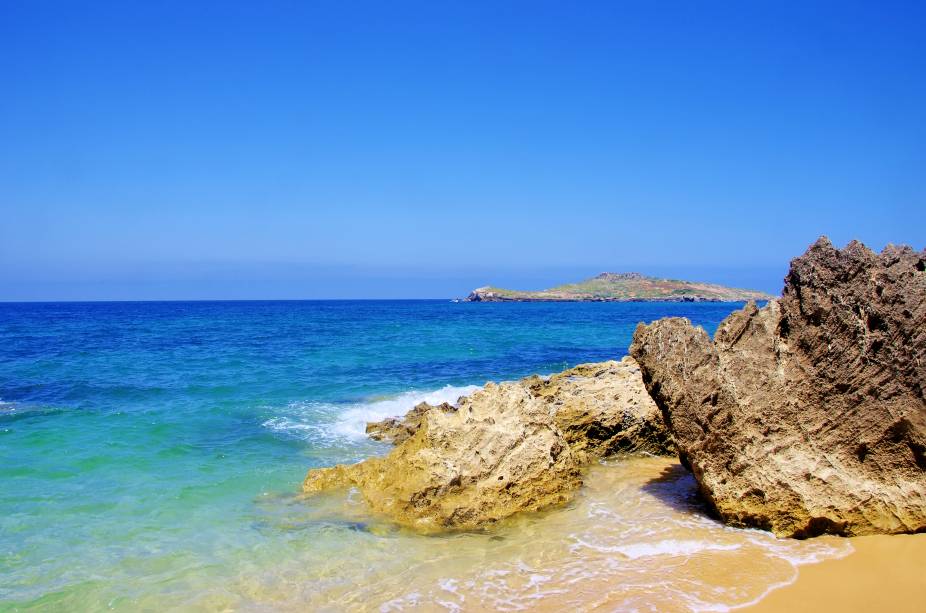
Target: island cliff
[622, 287]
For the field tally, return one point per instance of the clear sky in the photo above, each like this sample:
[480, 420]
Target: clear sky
[159, 150]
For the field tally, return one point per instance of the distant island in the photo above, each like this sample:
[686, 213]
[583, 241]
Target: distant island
[622, 287]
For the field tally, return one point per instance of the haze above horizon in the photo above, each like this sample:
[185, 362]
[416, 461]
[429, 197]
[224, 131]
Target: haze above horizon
[271, 150]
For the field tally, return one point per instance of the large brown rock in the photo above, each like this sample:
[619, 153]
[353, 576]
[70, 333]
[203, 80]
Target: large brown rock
[498, 453]
[806, 416]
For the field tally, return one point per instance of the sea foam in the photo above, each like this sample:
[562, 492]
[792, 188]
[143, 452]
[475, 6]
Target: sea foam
[670, 547]
[331, 423]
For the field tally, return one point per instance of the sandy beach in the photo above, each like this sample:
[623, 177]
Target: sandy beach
[883, 573]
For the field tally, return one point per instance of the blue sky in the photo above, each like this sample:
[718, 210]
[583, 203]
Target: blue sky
[174, 150]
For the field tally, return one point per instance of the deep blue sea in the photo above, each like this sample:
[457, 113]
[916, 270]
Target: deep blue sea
[151, 453]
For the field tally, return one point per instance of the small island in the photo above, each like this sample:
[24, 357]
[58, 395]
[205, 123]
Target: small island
[622, 287]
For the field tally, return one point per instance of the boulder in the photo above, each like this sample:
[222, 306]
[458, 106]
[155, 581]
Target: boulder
[499, 453]
[806, 416]
[604, 408]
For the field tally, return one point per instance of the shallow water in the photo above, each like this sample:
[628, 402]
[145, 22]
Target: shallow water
[637, 538]
[150, 455]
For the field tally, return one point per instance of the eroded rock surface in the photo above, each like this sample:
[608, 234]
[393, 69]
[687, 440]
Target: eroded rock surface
[806, 416]
[604, 408]
[601, 408]
[506, 448]
[398, 429]
[499, 453]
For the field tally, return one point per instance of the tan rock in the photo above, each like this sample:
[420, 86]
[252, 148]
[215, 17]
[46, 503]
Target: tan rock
[806, 416]
[498, 454]
[601, 408]
[604, 408]
[506, 448]
[397, 429]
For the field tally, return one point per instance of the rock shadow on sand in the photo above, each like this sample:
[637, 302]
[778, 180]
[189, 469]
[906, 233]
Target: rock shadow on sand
[676, 487]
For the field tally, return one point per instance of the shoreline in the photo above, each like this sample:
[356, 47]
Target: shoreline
[635, 537]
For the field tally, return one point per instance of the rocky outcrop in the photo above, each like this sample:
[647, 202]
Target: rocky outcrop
[603, 408]
[806, 416]
[397, 429]
[498, 453]
[506, 448]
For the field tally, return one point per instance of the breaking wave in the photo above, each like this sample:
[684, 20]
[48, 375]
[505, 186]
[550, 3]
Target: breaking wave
[332, 423]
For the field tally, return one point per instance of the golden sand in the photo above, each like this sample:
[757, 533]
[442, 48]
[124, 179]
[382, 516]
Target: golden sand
[883, 573]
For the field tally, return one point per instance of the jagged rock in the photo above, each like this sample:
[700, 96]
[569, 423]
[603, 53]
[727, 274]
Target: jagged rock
[603, 408]
[398, 429]
[506, 448]
[498, 454]
[806, 416]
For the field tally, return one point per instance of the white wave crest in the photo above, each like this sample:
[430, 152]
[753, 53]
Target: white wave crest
[353, 422]
[329, 422]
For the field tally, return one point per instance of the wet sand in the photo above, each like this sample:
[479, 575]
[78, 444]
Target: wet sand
[883, 573]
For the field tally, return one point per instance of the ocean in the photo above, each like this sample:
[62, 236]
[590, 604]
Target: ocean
[151, 457]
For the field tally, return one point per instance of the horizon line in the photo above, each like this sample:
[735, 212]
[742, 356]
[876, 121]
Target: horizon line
[458, 300]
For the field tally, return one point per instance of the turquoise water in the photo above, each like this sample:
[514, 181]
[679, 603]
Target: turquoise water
[151, 453]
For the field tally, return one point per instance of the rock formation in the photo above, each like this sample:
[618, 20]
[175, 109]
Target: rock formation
[398, 429]
[806, 416]
[506, 448]
[603, 408]
[498, 454]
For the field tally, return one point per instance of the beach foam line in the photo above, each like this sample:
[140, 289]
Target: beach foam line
[807, 555]
[671, 547]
